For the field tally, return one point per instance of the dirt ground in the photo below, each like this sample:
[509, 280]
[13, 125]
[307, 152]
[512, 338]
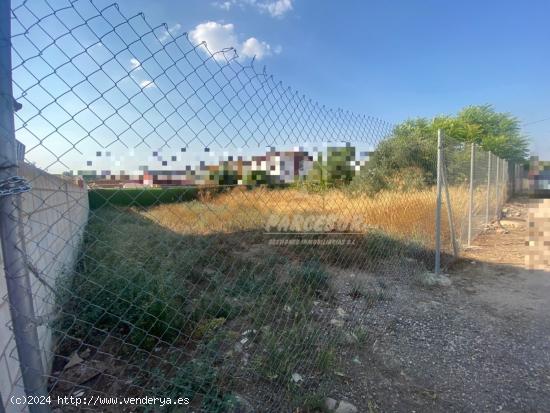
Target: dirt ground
[481, 344]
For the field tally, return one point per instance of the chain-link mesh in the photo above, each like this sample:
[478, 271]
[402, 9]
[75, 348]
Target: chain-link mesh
[180, 245]
[477, 183]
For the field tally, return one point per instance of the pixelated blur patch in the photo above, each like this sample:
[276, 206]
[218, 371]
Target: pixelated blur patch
[538, 242]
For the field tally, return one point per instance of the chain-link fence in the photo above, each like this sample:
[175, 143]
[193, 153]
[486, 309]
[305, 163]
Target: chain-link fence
[177, 244]
[477, 187]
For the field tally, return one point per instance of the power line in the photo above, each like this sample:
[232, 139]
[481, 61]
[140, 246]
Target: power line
[536, 121]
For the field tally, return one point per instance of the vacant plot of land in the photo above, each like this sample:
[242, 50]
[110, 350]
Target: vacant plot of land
[481, 344]
[194, 299]
[188, 299]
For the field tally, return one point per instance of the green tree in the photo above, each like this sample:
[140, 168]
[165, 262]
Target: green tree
[409, 157]
[494, 131]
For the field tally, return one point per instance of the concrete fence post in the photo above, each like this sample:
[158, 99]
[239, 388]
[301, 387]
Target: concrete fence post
[13, 249]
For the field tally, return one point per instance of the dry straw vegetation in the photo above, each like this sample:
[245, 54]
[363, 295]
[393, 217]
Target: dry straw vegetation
[189, 298]
[402, 215]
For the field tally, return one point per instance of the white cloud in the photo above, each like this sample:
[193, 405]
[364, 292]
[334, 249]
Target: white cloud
[135, 64]
[171, 32]
[229, 4]
[146, 84]
[220, 36]
[225, 5]
[216, 35]
[253, 47]
[277, 8]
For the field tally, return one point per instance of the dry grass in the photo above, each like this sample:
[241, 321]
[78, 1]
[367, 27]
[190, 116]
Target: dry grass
[405, 215]
[192, 277]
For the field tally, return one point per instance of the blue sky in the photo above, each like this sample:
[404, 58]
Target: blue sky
[389, 59]
[401, 58]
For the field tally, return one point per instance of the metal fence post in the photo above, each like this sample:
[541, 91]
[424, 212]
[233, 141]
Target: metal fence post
[449, 206]
[520, 177]
[438, 203]
[506, 179]
[516, 174]
[488, 189]
[504, 183]
[16, 271]
[471, 193]
[497, 183]
[517, 183]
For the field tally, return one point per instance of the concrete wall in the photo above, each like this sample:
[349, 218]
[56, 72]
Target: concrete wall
[55, 213]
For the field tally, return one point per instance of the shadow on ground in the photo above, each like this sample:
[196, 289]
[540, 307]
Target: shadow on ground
[481, 344]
